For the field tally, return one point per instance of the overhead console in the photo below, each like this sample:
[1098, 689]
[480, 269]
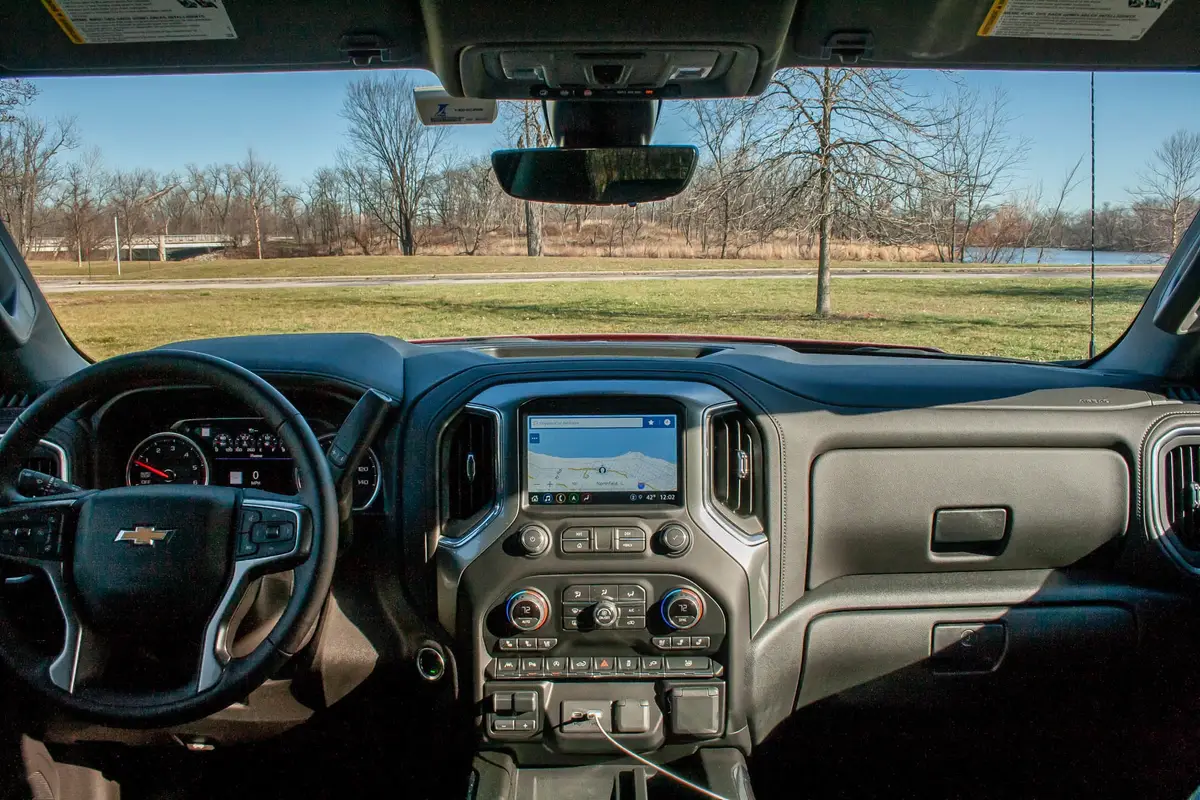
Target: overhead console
[601, 72]
[598, 574]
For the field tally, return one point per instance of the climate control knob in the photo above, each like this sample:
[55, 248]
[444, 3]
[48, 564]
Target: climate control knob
[605, 614]
[682, 608]
[527, 609]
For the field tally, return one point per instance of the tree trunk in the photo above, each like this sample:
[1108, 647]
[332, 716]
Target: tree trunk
[533, 230]
[257, 230]
[824, 305]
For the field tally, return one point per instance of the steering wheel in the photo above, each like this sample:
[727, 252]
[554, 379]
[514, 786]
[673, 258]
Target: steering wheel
[134, 567]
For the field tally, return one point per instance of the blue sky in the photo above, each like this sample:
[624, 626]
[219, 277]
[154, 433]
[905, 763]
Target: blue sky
[601, 443]
[165, 122]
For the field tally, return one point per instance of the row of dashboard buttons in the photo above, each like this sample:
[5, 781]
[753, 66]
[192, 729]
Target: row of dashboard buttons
[602, 540]
[510, 645]
[681, 642]
[623, 593]
[603, 667]
[628, 616]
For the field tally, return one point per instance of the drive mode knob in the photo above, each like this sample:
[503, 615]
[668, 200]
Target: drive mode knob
[605, 614]
[675, 540]
[534, 540]
[682, 608]
[527, 609]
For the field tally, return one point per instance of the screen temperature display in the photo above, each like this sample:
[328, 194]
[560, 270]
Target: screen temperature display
[588, 460]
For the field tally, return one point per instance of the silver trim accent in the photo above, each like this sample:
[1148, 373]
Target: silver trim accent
[188, 439]
[441, 660]
[64, 470]
[501, 440]
[214, 654]
[754, 539]
[1157, 527]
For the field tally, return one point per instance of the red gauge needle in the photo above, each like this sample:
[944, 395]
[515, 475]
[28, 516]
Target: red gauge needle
[157, 472]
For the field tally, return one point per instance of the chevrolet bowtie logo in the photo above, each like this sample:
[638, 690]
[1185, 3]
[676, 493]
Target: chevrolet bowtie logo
[142, 534]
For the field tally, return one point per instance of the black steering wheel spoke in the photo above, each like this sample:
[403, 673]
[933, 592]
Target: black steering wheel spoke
[274, 534]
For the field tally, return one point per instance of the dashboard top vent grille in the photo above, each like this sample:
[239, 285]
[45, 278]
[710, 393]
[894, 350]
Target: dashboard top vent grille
[1181, 493]
[1184, 394]
[736, 468]
[468, 471]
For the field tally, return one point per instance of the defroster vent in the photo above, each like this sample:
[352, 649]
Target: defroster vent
[468, 471]
[736, 468]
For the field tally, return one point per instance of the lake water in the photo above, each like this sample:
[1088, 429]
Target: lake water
[1059, 256]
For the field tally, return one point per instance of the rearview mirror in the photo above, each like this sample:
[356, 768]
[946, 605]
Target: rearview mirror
[595, 176]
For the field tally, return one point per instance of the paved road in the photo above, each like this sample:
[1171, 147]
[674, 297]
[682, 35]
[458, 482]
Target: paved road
[61, 285]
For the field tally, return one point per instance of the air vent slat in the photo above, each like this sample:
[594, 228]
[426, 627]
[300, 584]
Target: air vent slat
[735, 467]
[1182, 393]
[1181, 493]
[467, 470]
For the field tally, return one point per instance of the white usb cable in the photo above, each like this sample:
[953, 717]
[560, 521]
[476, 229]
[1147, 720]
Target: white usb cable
[595, 716]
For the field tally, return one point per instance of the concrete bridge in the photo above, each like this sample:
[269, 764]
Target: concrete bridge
[144, 248]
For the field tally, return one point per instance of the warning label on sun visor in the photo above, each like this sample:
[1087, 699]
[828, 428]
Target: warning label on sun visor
[121, 21]
[1115, 20]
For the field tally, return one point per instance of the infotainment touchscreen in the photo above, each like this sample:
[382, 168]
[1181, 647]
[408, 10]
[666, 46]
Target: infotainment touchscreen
[602, 460]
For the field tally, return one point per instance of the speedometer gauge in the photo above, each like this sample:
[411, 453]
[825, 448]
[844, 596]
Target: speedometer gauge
[166, 458]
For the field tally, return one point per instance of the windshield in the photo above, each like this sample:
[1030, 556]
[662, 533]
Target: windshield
[952, 210]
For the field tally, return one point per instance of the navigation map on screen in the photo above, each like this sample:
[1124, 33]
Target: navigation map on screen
[602, 459]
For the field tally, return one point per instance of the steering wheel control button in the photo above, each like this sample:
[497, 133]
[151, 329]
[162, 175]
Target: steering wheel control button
[430, 664]
[527, 610]
[675, 540]
[682, 609]
[246, 548]
[534, 541]
[264, 532]
[605, 614]
[250, 518]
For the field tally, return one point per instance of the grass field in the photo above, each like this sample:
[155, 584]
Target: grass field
[442, 265]
[1022, 318]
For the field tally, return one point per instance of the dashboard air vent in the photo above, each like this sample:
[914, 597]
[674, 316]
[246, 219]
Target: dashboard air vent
[14, 400]
[468, 470]
[1184, 394]
[42, 463]
[1181, 490]
[736, 468]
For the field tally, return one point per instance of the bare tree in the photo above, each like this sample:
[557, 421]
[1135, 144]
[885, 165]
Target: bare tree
[468, 198]
[260, 180]
[14, 94]
[395, 152]
[82, 200]
[130, 193]
[1171, 180]
[30, 166]
[526, 127]
[843, 124]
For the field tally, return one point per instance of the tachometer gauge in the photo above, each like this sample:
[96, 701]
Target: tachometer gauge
[167, 458]
[366, 477]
